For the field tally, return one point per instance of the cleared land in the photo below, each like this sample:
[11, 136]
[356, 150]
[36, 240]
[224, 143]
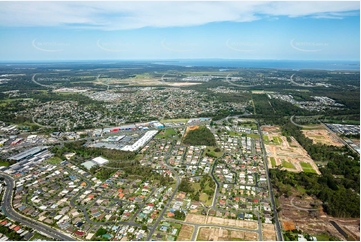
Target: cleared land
[268, 232]
[193, 218]
[291, 156]
[185, 233]
[307, 167]
[322, 136]
[312, 219]
[219, 234]
[143, 81]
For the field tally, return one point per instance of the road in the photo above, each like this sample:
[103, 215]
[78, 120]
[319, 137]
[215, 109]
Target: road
[197, 226]
[11, 213]
[102, 82]
[237, 85]
[37, 83]
[303, 126]
[175, 174]
[297, 84]
[277, 223]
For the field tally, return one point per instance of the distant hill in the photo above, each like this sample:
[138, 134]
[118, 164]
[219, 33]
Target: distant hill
[200, 136]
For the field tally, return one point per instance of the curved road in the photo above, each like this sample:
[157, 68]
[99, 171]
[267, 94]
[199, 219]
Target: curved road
[11, 213]
[303, 126]
[237, 85]
[37, 83]
[297, 84]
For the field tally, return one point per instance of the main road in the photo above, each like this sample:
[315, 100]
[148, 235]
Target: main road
[277, 223]
[11, 213]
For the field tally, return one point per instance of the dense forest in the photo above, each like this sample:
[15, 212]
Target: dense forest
[200, 136]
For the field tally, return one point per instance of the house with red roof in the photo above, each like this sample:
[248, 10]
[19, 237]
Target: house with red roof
[79, 233]
[17, 228]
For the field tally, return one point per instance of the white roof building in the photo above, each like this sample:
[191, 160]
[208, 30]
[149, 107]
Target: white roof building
[100, 160]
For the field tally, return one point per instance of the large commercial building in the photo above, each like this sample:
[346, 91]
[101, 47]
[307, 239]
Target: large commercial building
[141, 142]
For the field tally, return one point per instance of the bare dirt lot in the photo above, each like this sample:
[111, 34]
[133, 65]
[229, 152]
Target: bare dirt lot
[139, 81]
[189, 128]
[268, 232]
[193, 218]
[287, 155]
[298, 212]
[288, 225]
[185, 233]
[219, 234]
[323, 136]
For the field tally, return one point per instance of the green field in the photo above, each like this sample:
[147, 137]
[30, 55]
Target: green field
[277, 140]
[183, 120]
[324, 237]
[306, 167]
[167, 133]
[205, 199]
[54, 160]
[232, 133]
[265, 138]
[4, 163]
[213, 153]
[287, 164]
[273, 161]
[255, 136]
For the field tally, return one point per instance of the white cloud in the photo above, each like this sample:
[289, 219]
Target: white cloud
[132, 15]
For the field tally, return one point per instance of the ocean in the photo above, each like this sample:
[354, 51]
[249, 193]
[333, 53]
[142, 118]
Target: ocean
[274, 64]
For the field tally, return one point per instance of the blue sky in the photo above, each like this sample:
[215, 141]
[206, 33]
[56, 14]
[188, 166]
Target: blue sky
[179, 30]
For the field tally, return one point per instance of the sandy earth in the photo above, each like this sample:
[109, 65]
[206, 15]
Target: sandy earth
[323, 136]
[185, 234]
[293, 153]
[200, 219]
[268, 232]
[314, 221]
[219, 234]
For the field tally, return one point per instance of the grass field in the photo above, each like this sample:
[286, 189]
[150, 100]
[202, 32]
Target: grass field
[265, 138]
[4, 163]
[54, 160]
[255, 136]
[167, 133]
[212, 152]
[205, 199]
[323, 237]
[232, 133]
[277, 140]
[273, 161]
[287, 164]
[306, 167]
[183, 120]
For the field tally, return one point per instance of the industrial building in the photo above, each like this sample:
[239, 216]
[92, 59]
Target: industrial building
[141, 142]
[28, 153]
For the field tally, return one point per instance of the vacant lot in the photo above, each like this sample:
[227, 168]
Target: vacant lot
[193, 218]
[309, 220]
[268, 232]
[185, 233]
[307, 167]
[220, 234]
[323, 136]
[285, 154]
[288, 225]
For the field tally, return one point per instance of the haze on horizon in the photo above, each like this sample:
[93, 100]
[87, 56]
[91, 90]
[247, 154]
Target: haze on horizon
[179, 30]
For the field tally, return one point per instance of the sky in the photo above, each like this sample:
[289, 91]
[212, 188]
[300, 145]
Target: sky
[128, 30]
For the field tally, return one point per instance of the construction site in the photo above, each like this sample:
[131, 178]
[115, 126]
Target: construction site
[306, 214]
[323, 136]
[290, 156]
